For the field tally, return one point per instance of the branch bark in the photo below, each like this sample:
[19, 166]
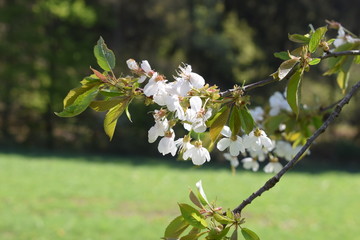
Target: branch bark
[275, 179]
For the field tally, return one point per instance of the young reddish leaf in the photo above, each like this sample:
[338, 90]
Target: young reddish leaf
[192, 216]
[285, 67]
[78, 100]
[247, 121]
[104, 56]
[292, 93]
[316, 38]
[194, 199]
[218, 123]
[112, 116]
[99, 75]
[249, 235]
[175, 228]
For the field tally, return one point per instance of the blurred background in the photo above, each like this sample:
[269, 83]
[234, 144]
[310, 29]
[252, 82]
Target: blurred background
[46, 48]
[61, 178]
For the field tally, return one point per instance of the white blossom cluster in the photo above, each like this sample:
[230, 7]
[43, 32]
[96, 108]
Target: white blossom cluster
[193, 115]
[257, 147]
[169, 95]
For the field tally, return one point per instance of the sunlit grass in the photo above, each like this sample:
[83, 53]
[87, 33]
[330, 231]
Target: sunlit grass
[44, 197]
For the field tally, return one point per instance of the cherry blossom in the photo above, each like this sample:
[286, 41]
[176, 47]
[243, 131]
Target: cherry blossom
[250, 163]
[256, 140]
[197, 115]
[187, 80]
[258, 114]
[198, 154]
[167, 143]
[273, 167]
[278, 103]
[233, 142]
[160, 127]
[234, 162]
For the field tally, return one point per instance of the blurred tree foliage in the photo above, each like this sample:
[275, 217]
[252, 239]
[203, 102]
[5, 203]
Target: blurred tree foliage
[46, 47]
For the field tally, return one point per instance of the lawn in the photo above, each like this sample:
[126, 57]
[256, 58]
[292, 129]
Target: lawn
[50, 197]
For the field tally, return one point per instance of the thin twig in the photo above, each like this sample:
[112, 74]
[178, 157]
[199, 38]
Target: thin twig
[343, 53]
[271, 79]
[275, 179]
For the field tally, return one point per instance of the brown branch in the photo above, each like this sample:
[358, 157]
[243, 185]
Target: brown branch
[343, 53]
[275, 179]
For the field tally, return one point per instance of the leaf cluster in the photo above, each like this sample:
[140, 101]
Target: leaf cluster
[204, 220]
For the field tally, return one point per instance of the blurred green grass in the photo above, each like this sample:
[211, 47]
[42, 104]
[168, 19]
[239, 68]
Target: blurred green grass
[49, 197]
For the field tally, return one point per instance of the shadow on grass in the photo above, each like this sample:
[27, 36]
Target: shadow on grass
[339, 157]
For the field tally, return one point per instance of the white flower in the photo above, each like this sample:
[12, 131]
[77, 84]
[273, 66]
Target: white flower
[273, 167]
[155, 84]
[197, 115]
[278, 103]
[173, 105]
[285, 150]
[234, 162]
[160, 127]
[167, 143]
[250, 163]
[187, 80]
[256, 140]
[146, 67]
[257, 114]
[184, 144]
[343, 38]
[260, 154]
[198, 154]
[234, 143]
[132, 64]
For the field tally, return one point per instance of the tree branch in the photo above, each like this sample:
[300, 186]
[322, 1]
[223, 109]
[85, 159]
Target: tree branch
[271, 79]
[343, 53]
[275, 179]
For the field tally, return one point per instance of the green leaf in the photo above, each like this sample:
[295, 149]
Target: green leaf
[201, 194]
[317, 121]
[104, 56]
[78, 100]
[286, 66]
[293, 93]
[110, 92]
[194, 234]
[249, 235]
[234, 235]
[218, 123]
[192, 216]
[298, 38]
[247, 121]
[342, 80]
[217, 235]
[128, 113]
[357, 59]
[194, 199]
[272, 123]
[112, 116]
[105, 105]
[176, 227]
[223, 219]
[234, 120]
[315, 61]
[316, 37]
[282, 55]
